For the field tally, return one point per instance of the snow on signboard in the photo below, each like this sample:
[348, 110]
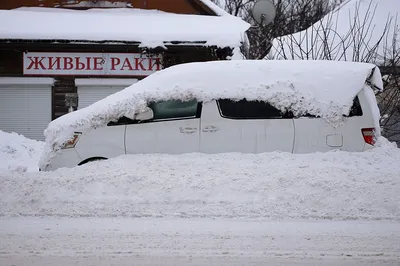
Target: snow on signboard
[322, 88]
[358, 30]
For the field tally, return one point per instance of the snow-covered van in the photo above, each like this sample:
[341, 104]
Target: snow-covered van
[225, 106]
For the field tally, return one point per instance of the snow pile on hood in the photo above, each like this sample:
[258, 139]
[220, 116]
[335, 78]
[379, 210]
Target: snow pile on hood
[19, 154]
[333, 185]
[322, 88]
[150, 28]
[341, 35]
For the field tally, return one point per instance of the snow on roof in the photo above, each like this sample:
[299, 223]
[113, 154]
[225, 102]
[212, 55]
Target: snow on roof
[324, 88]
[151, 28]
[341, 35]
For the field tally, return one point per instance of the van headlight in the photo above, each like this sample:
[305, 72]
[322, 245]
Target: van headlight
[72, 142]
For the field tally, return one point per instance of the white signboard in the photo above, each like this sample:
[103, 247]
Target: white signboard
[90, 64]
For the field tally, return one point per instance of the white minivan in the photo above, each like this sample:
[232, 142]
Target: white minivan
[221, 125]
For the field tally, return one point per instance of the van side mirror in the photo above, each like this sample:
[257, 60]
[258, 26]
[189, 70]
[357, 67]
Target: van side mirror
[146, 115]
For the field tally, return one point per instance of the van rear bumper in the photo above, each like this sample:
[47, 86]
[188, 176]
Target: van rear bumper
[367, 147]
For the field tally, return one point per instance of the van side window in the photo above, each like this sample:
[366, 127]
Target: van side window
[244, 109]
[166, 110]
[174, 109]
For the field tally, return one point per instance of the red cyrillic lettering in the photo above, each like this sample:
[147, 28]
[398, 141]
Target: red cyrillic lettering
[68, 63]
[114, 62]
[98, 61]
[36, 63]
[154, 62]
[126, 64]
[139, 62]
[79, 64]
[56, 62]
[88, 59]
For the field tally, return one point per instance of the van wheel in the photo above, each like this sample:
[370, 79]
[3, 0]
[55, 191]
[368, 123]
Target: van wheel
[92, 160]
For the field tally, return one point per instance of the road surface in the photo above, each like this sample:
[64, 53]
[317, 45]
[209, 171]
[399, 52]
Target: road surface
[44, 241]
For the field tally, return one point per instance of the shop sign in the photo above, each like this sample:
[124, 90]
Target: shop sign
[90, 64]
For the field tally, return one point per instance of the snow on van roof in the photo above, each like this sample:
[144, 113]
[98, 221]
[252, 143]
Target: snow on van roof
[150, 28]
[323, 88]
[358, 30]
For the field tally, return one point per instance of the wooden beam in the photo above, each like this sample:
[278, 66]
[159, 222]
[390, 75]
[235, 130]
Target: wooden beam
[195, 7]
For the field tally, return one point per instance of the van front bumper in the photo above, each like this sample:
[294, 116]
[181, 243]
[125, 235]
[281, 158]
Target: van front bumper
[65, 158]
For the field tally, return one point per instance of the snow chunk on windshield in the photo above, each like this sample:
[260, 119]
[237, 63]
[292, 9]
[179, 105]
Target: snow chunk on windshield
[320, 88]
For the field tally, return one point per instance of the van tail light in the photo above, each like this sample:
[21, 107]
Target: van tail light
[369, 135]
[72, 142]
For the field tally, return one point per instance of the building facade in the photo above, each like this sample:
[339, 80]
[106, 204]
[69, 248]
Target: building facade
[95, 48]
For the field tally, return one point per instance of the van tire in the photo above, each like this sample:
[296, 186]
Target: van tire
[93, 159]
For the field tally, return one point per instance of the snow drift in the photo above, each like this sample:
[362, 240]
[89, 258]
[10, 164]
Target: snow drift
[19, 154]
[358, 30]
[321, 88]
[333, 185]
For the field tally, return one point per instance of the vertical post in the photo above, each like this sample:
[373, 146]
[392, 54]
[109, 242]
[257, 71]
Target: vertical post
[71, 101]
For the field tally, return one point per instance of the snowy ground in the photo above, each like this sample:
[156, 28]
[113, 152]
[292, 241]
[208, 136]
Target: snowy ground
[333, 208]
[333, 185]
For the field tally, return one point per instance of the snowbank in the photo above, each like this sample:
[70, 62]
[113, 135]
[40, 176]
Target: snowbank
[359, 30]
[323, 88]
[19, 154]
[334, 185]
[115, 25]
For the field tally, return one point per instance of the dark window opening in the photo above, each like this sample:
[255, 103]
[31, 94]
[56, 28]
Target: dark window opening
[244, 109]
[122, 121]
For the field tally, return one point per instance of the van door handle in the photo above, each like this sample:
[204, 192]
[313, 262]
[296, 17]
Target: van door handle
[210, 129]
[188, 130]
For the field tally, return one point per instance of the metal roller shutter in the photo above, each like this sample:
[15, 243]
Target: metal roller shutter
[89, 94]
[93, 90]
[25, 106]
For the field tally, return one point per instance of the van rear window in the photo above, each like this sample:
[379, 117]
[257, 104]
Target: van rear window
[355, 109]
